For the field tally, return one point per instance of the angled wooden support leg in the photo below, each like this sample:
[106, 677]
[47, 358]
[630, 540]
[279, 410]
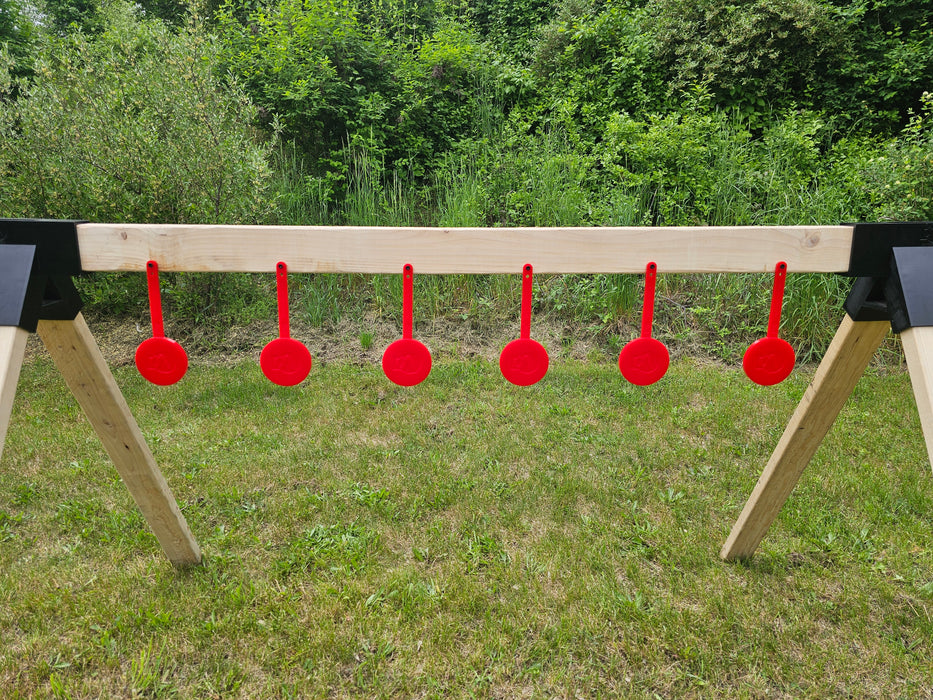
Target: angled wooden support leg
[79, 360]
[918, 348]
[12, 349]
[846, 359]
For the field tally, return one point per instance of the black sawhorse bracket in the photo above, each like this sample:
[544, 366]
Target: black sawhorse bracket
[37, 261]
[38, 258]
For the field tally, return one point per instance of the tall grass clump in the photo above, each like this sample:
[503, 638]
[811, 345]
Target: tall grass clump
[503, 179]
[301, 198]
[375, 196]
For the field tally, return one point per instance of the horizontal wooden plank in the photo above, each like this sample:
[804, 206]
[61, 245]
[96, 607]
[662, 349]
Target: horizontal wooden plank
[113, 247]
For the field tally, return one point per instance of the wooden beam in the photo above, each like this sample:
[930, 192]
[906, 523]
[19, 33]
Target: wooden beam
[114, 247]
[79, 360]
[845, 361]
[12, 350]
[918, 348]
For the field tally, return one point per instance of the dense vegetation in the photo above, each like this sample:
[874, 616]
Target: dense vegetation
[469, 112]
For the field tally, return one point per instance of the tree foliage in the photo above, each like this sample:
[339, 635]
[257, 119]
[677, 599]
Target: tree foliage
[750, 54]
[64, 16]
[133, 125]
[889, 64]
[17, 32]
[331, 82]
[312, 65]
[867, 61]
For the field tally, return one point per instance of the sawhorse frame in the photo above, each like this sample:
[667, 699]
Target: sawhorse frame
[894, 263]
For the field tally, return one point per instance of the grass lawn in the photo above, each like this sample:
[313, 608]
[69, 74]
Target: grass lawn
[466, 538]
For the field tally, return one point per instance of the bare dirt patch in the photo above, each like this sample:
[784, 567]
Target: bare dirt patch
[358, 342]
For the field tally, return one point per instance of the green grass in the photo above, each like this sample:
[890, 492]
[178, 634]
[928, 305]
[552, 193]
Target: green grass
[466, 538]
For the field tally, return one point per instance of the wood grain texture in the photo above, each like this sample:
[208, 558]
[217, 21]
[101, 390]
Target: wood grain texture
[918, 349]
[12, 350]
[78, 358]
[114, 247]
[844, 363]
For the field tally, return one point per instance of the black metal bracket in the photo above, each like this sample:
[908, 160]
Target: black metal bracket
[910, 288]
[38, 258]
[894, 265]
[872, 245]
[20, 290]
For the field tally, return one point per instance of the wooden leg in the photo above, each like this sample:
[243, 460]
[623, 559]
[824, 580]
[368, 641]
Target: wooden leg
[79, 360]
[12, 349]
[918, 348]
[845, 361]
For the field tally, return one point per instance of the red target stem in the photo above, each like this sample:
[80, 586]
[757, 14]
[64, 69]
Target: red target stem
[155, 299]
[527, 290]
[408, 294]
[777, 299]
[647, 313]
[281, 284]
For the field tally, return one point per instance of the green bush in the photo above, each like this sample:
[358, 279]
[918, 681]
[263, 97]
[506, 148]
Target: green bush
[590, 64]
[865, 62]
[888, 63]
[900, 176]
[17, 32]
[751, 54]
[135, 125]
[511, 26]
[310, 65]
[336, 86]
[401, 22]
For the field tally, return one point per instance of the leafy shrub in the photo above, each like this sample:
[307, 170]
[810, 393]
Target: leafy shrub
[311, 65]
[511, 25]
[132, 126]
[901, 174]
[64, 16]
[685, 163]
[888, 64]
[751, 54]
[17, 33]
[336, 86]
[865, 62]
[592, 64]
[442, 97]
[400, 22]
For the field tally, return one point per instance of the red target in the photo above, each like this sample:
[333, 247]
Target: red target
[645, 360]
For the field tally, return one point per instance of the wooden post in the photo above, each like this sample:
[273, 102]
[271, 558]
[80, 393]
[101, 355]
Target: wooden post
[12, 349]
[846, 359]
[918, 348]
[79, 360]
